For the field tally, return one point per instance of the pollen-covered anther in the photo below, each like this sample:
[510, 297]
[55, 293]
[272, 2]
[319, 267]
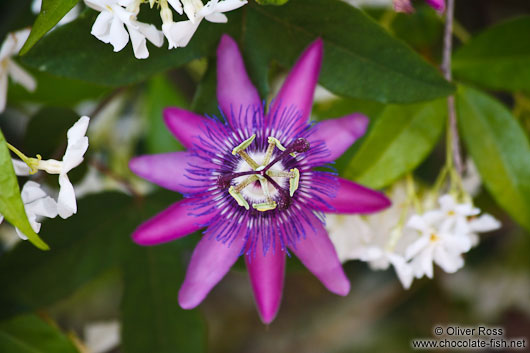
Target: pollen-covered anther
[300, 145]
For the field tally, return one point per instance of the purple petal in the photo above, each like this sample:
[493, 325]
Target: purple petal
[235, 91]
[353, 198]
[438, 5]
[185, 125]
[340, 134]
[299, 88]
[170, 170]
[172, 223]
[267, 274]
[317, 253]
[210, 262]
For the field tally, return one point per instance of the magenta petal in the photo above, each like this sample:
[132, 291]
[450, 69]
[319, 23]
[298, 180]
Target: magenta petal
[438, 5]
[169, 171]
[172, 223]
[299, 87]
[235, 91]
[185, 126]
[267, 274]
[340, 134]
[353, 198]
[317, 253]
[210, 262]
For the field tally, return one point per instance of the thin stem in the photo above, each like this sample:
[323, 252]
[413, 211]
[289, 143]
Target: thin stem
[452, 130]
[17, 152]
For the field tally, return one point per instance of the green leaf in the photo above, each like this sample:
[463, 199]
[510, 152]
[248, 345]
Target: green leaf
[52, 11]
[31, 334]
[399, 140]
[151, 317]
[498, 58]
[499, 148]
[11, 205]
[161, 94]
[272, 2]
[361, 60]
[85, 245]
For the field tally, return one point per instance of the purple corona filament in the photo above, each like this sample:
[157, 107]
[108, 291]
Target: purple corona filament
[256, 181]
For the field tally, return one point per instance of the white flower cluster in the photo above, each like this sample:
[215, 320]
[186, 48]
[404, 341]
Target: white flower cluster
[408, 241]
[117, 22]
[36, 202]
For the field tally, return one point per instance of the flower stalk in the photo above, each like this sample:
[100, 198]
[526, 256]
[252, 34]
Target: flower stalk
[453, 142]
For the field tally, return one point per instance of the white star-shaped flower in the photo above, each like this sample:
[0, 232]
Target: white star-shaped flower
[110, 24]
[37, 205]
[9, 68]
[180, 33]
[75, 150]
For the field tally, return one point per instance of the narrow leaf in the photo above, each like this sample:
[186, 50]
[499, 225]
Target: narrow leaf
[400, 139]
[52, 11]
[11, 205]
[500, 149]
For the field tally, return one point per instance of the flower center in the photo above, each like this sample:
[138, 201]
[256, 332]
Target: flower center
[262, 179]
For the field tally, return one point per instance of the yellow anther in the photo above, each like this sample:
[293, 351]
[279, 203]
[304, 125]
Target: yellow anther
[243, 145]
[237, 196]
[277, 142]
[294, 181]
[263, 207]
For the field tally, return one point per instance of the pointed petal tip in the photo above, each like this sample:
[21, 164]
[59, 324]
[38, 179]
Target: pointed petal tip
[187, 300]
[268, 318]
[342, 288]
[226, 41]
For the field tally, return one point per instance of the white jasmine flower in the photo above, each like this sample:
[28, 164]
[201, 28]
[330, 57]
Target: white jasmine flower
[180, 33]
[9, 68]
[75, 150]
[471, 180]
[37, 204]
[446, 233]
[443, 248]
[110, 24]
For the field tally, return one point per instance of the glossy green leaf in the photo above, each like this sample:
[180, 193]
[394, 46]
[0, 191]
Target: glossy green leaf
[31, 334]
[85, 245]
[151, 317]
[52, 11]
[11, 205]
[161, 94]
[497, 58]
[500, 149]
[399, 140]
[361, 60]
